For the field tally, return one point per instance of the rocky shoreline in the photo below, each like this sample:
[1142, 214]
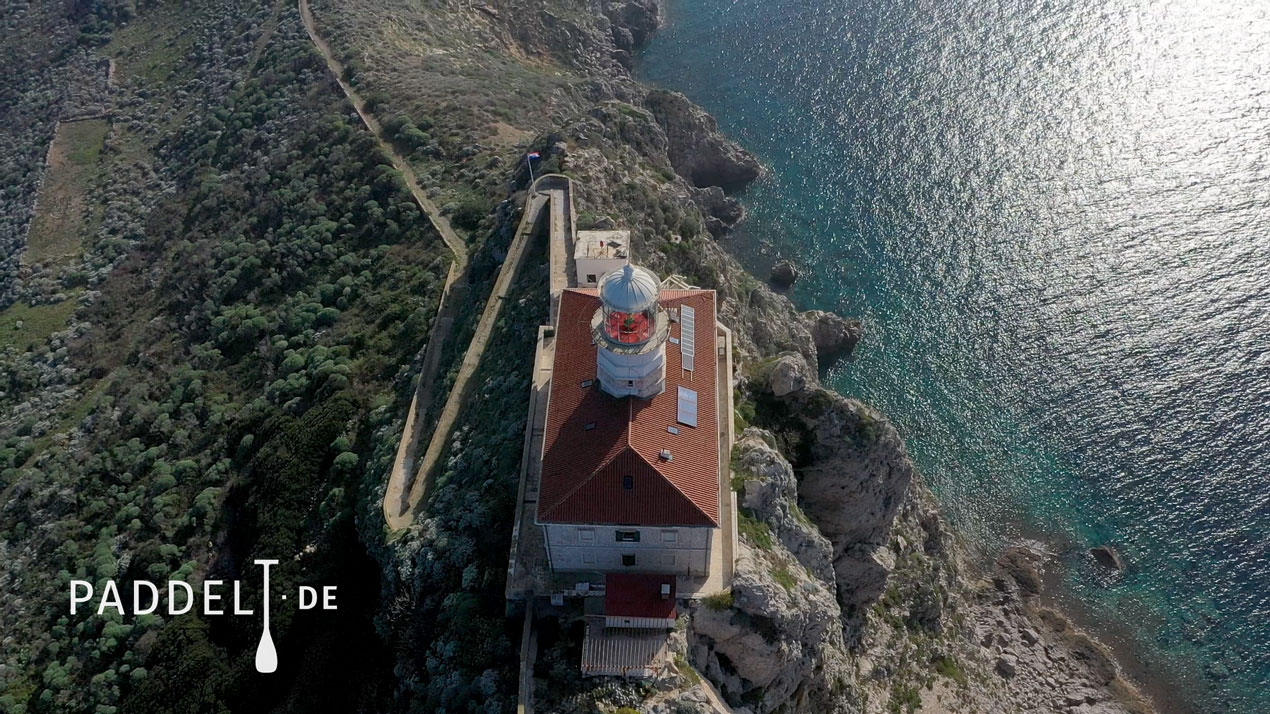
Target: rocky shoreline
[851, 594]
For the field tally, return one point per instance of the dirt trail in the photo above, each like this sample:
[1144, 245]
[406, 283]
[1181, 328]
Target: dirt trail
[399, 499]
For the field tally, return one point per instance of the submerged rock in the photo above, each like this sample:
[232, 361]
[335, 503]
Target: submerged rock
[1107, 557]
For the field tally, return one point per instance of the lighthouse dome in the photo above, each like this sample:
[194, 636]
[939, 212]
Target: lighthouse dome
[629, 289]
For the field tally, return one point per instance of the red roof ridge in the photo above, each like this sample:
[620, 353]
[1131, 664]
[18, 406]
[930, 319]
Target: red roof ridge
[582, 481]
[629, 447]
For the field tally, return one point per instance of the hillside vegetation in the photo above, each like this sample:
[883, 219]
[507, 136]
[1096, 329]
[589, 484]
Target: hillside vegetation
[220, 372]
[258, 286]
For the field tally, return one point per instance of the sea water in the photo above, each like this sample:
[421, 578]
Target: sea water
[1054, 219]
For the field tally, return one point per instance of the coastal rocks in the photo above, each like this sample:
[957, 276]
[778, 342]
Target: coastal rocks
[855, 478]
[866, 567]
[779, 637]
[769, 321]
[776, 642]
[1039, 660]
[1107, 557]
[721, 211]
[632, 23]
[834, 335]
[769, 492]
[698, 152]
[784, 275]
[790, 374]
[1020, 565]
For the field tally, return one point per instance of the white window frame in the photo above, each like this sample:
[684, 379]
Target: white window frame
[670, 536]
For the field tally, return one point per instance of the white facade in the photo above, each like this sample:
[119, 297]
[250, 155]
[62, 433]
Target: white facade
[597, 253]
[682, 550]
[636, 375]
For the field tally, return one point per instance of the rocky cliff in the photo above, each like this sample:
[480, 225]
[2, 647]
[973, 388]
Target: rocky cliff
[851, 594]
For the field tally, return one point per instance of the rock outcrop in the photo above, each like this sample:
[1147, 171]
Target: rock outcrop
[790, 374]
[784, 274]
[698, 151]
[632, 22]
[779, 640]
[769, 493]
[721, 211]
[853, 473]
[834, 335]
[1039, 660]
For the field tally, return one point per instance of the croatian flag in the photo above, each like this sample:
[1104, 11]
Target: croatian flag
[532, 155]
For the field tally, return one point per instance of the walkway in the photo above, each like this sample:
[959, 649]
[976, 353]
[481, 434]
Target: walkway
[550, 190]
[453, 294]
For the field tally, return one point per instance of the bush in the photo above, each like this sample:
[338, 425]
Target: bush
[719, 601]
[754, 531]
[469, 212]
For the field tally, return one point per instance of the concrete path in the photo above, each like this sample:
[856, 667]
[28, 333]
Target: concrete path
[398, 507]
[552, 191]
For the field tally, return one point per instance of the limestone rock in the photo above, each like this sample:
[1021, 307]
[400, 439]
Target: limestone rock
[1020, 564]
[698, 152]
[866, 567]
[632, 22]
[721, 211]
[775, 643]
[833, 334]
[857, 477]
[784, 274]
[770, 494]
[790, 374]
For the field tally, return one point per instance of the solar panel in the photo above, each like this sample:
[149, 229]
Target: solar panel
[688, 336]
[687, 407]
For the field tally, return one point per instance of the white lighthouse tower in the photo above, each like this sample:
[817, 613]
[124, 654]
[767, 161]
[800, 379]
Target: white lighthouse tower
[630, 331]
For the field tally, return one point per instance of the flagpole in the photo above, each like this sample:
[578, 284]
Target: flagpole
[530, 163]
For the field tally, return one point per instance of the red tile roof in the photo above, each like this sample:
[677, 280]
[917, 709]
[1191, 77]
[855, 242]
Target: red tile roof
[582, 470]
[638, 595]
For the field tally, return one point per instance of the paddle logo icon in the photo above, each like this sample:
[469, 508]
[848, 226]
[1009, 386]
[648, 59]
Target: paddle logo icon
[217, 597]
[266, 654]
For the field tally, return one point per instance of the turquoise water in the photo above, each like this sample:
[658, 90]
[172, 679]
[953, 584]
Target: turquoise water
[1053, 217]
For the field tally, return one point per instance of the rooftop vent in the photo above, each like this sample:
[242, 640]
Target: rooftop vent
[672, 429]
[665, 455]
[587, 382]
[589, 426]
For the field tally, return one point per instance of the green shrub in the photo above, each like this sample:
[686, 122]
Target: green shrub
[949, 667]
[785, 577]
[719, 601]
[754, 531]
[469, 213]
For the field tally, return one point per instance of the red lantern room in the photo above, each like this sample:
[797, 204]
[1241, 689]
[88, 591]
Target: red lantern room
[631, 331]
